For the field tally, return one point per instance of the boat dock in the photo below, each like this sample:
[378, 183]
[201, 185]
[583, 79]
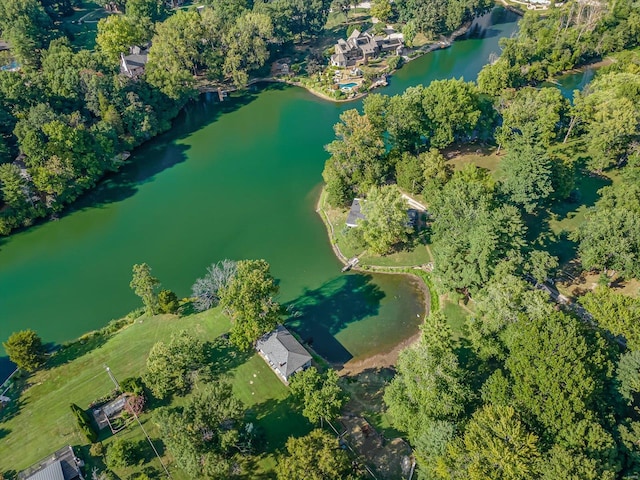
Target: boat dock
[350, 264]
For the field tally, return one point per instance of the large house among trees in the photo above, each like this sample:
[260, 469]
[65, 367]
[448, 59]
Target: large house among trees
[361, 47]
[133, 64]
[284, 354]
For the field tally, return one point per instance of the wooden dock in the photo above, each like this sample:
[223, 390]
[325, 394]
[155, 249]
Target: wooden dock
[350, 264]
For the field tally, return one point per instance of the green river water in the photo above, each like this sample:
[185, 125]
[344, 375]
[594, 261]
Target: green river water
[234, 180]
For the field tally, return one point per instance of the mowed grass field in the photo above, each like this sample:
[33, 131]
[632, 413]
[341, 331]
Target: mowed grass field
[42, 421]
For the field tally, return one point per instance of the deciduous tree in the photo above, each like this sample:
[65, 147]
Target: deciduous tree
[25, 349]
[249, 300]
[496, 444]
[385, 223]
[145, 285]
[170, 367]
[321, 396]
[206, 289]
[315, 456]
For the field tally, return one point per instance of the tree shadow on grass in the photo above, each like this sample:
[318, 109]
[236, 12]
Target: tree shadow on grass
[224, 357]
[13, 407]
[320, 314]
[279, 420]
[74, 350]
[4, 432]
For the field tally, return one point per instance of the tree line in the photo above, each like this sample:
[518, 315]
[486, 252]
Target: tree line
[535, 394]
[565, 37]
[478, 222]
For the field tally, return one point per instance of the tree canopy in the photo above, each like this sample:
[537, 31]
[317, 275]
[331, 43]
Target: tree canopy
[315, 456]
[321, 396]
[385, 223]
[248, 299]
[25, 349]
[171, 366]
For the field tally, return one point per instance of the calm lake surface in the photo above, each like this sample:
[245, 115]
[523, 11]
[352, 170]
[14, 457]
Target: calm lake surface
[235, 180]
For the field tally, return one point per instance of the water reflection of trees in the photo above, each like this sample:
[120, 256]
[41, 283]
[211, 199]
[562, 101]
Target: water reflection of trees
[320, 314]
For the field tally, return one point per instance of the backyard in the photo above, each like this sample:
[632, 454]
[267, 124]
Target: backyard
[41, 421]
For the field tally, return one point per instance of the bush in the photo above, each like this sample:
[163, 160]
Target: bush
[84, 423]
[96, 450]
[395, 62]
[168, 302]
[24, 348]
[121, 454]
[132, 385]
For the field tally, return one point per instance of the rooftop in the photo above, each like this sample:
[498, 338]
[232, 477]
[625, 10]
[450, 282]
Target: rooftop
[60, 465]
[355, 213]
[283, 352]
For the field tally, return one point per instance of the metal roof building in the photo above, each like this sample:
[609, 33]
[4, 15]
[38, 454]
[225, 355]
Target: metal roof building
[60, 465]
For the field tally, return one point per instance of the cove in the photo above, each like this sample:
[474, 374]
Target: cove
[234, 180]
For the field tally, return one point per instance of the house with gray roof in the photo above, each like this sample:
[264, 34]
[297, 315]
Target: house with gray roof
[133, 65]
[60, 465]
[284, 354]
[355, 213]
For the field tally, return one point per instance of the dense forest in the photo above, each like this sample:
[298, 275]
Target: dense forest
[533, 389]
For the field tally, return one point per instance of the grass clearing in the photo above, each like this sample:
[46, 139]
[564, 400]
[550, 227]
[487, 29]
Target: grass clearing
[82, 25]
[484, 157]
[456, 316]
[44, 423]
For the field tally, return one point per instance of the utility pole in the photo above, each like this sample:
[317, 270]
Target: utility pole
[135, 415]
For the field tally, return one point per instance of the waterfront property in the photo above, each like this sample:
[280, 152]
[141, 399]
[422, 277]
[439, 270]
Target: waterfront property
[284, 354]
[133, 65]
[60, 465]
[361, 47]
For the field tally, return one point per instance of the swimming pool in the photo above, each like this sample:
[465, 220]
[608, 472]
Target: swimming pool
[347, 86]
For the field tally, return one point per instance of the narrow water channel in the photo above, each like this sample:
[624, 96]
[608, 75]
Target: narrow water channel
[234, 180]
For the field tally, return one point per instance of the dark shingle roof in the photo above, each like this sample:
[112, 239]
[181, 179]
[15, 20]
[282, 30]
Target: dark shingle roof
[283, 351]
[355, 213]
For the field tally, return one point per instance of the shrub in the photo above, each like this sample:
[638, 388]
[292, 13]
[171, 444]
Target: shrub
[84, 423]
[96, 450]
[121, 454]
[168, 302]
[132, 385]
[395, 62]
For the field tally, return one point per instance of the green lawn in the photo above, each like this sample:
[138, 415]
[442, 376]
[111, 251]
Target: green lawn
[456, 317]
[82, 26]
[482, 157]
[44, 422]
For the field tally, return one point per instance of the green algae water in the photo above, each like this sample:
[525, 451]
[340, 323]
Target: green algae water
[234, 180]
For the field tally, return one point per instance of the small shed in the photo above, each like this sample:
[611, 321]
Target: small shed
[355, 213]
[284, 354]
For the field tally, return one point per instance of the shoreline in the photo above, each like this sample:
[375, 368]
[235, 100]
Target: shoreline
[383, 359]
